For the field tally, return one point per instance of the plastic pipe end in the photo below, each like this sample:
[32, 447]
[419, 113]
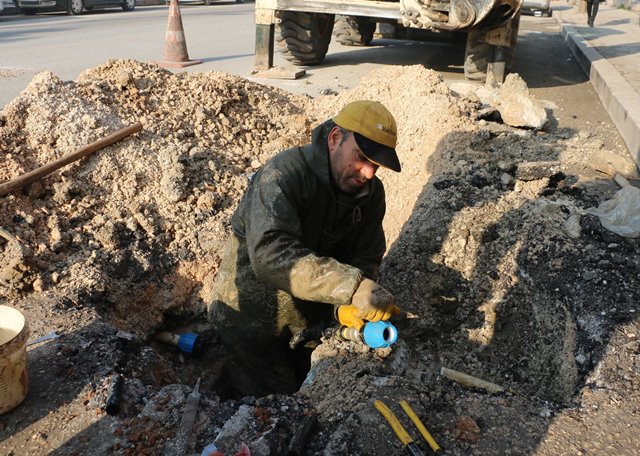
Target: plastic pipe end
[380, 334]
[187, 342]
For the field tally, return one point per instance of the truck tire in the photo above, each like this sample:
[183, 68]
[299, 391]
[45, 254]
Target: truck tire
[304, 37]
[354, 30]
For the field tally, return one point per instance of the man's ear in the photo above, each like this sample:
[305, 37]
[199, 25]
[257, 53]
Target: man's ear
[334, 138]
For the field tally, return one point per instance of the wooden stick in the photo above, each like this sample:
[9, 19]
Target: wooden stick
[21, 181]
[8, 236]
[470, 381]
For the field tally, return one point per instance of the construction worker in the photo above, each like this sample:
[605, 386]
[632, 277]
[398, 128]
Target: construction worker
[306, 245]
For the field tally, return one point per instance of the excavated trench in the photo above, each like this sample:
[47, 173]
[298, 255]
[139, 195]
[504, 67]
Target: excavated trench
[491, 255]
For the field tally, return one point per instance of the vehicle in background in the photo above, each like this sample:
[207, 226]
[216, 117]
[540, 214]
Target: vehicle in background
[537, 8]
[72, 7]
[304, 28]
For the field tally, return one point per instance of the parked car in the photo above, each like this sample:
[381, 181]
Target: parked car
[537, 8]
[72, 7]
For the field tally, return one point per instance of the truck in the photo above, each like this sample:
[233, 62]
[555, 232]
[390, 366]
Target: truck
[302, 29]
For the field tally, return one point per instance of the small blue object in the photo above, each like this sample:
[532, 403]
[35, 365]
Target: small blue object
[380, 334]
[187, 342]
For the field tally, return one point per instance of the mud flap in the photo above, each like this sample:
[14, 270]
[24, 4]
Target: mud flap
[489, 53]
[503, 41]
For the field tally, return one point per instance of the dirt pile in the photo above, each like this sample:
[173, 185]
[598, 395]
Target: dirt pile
[135, 228]
[501, 272]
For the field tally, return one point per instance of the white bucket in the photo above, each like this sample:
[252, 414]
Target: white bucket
[14, 379]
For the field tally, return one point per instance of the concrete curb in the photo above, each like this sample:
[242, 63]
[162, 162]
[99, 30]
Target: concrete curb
[621, 101]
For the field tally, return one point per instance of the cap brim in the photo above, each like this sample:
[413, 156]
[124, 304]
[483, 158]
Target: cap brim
[378, 153]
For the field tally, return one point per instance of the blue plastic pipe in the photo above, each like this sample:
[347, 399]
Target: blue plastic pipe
[379, 334]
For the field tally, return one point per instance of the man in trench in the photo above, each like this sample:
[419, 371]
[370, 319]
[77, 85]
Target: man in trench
[306, 248]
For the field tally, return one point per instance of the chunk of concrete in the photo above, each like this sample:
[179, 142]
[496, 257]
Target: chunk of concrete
[517, 106]
[530, 171]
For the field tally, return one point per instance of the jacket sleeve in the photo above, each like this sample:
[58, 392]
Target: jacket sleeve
[273, 231]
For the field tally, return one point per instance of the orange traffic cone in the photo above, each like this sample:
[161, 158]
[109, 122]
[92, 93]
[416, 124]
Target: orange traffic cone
[175, 46]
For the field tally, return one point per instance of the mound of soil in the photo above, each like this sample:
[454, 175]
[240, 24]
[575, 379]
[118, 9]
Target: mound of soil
[499, 270]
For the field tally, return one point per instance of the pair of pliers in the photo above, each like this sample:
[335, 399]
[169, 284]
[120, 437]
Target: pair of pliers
[401, 432]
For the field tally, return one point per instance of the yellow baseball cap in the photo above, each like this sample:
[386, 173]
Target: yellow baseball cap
[374, 129]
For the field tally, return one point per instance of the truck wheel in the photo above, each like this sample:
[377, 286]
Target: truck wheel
[304, 37]
[354, 30]
[476, 57]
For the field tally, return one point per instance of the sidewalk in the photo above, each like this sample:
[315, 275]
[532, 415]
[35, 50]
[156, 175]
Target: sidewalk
[610, 54]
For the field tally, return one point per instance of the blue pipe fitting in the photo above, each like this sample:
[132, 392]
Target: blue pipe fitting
[187, 342]
[380, 334]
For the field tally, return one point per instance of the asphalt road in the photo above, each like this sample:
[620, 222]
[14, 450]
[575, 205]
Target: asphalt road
[222, 36]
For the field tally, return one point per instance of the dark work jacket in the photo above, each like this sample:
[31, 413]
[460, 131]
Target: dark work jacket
[298, 248]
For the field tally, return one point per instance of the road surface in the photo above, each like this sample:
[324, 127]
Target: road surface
[222, 36]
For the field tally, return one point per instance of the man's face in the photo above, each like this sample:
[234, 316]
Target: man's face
[350, 169]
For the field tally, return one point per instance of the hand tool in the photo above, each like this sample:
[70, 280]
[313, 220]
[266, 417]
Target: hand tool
[400, 431]
[423, 430]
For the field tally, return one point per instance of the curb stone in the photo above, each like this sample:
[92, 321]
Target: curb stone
[618, 97]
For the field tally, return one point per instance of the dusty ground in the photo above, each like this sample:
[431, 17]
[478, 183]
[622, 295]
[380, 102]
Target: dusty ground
[500, 271]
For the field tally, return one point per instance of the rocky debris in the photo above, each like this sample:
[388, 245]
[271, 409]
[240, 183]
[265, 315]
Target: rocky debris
[512, 100]
[14, 267]
[537, 170]
[517, 106]
[501, 272]
[467, 429]
[609, 162]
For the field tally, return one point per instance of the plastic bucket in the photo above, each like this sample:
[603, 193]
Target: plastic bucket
[14, 379]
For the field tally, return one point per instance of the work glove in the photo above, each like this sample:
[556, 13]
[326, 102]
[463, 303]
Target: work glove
[348, 316]
[373, 302]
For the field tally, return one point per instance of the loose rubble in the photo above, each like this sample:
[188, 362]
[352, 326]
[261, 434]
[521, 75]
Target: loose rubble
[492, 255]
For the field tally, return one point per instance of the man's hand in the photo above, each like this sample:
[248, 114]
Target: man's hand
[348, 316]
[373, 302]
